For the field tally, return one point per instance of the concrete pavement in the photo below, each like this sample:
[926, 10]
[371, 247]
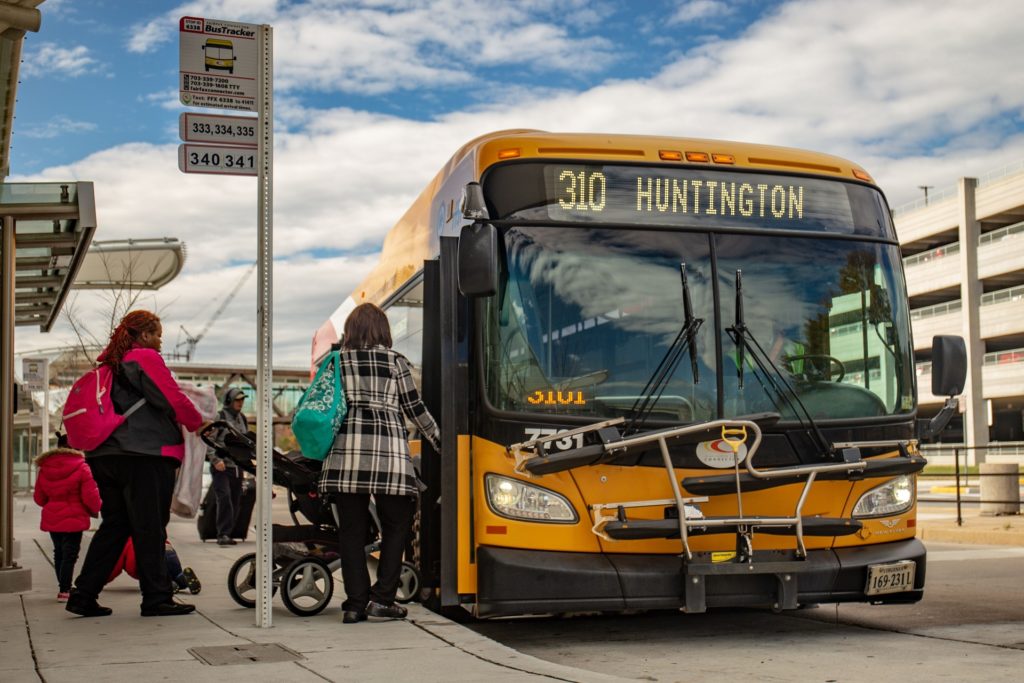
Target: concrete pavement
[41, 641]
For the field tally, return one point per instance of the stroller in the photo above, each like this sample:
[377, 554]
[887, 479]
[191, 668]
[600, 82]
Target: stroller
[304, 554]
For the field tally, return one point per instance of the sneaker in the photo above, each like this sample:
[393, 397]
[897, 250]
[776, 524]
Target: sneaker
[375, 609]
[63, 596]
[86, 607]
[191, 581]
[168, 609]
[225, 540]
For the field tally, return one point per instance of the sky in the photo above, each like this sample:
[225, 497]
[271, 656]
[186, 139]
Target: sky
[373, 96]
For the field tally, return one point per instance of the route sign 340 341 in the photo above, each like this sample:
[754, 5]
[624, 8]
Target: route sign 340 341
[218, 129]
[217, 159]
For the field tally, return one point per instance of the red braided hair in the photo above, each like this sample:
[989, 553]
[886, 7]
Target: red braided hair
[127, 332]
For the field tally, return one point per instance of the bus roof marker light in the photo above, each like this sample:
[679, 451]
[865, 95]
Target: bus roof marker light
[862, 175]
[511, 153]
[670, 155]
[723, 158]
[698, 156]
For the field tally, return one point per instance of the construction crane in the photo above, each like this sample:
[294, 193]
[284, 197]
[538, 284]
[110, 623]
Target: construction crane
[191, 340]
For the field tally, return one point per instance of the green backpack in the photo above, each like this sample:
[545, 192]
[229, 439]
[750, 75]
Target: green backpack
[321, 410]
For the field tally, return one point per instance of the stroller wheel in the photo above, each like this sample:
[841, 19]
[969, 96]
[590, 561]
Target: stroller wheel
[408, 584]
[307, 586]
[242, 581]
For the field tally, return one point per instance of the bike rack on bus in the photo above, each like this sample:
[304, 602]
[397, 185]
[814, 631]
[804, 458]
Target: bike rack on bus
[612, 523]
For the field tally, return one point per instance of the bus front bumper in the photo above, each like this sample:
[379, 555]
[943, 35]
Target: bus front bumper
[514, 581]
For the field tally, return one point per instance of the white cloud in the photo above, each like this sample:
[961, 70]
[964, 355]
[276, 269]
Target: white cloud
[149, 35]
[165, 99]
[700, 10]
[914, 107]
[50, 59]
[55, 127]
[372, 47]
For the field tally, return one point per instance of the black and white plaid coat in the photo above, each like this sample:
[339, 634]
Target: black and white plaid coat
[371, 452]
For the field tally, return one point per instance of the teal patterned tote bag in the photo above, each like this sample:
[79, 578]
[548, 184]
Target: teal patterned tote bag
[321, 410]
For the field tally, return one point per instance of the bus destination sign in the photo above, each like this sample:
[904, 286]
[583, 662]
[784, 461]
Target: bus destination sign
[636, 194]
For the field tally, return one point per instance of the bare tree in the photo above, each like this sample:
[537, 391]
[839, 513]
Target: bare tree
[91, 330]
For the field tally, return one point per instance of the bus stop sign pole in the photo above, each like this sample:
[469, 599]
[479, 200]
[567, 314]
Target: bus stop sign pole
[265, 311]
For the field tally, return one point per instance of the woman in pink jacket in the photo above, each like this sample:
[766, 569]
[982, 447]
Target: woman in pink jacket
[69, 496]
[135, 469]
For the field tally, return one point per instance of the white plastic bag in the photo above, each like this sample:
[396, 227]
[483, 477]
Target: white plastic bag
[188, 490]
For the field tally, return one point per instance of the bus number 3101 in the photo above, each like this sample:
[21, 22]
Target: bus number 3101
[582, 191]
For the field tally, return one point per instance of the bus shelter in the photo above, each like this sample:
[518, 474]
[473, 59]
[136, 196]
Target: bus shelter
[47, 229]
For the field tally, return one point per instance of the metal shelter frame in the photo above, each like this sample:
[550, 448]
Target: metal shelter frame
[47, 229]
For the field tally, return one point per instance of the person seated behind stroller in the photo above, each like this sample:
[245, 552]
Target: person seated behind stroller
[181, 578]
[227, 478]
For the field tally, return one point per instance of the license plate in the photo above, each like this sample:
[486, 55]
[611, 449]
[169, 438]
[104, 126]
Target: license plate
[895, 577]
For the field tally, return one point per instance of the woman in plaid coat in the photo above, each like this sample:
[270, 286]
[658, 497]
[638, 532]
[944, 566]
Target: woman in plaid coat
[370, 455]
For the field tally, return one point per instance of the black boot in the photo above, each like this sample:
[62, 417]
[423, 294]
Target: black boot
[86, 607]
[168, 609]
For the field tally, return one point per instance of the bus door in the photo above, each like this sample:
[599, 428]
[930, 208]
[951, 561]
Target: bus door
[445, 544]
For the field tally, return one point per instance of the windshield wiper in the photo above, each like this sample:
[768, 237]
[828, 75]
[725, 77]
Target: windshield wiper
[658, 382]
[773, 377]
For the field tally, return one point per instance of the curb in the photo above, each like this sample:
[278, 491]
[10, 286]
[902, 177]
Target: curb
[1006, 533]
[949, 489]
[489, 650]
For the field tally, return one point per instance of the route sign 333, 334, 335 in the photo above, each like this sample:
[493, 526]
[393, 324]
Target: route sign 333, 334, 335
[219, 63]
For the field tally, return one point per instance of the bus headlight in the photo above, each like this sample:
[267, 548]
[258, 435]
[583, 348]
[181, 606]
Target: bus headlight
[891, 498]
[519, 500]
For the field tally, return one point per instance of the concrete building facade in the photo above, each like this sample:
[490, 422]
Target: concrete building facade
[963, 252]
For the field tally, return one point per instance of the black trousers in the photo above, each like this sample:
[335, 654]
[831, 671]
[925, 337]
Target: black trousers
[227, 487]
[136, 492]
[396, 514]
[66, 545]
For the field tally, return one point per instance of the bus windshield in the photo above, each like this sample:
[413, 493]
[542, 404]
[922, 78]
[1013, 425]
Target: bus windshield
[584, 316]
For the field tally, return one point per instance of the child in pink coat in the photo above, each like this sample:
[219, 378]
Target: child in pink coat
[69, 497]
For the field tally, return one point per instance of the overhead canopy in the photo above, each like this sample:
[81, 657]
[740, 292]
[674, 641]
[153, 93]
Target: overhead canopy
[53, 226]
[131, 264]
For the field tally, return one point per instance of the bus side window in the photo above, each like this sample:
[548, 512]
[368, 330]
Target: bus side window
[406, 318]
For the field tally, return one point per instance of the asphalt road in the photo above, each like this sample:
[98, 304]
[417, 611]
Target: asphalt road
[969, 627]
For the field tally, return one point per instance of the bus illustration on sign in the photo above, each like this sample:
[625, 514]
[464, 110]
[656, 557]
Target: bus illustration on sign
[220, 54]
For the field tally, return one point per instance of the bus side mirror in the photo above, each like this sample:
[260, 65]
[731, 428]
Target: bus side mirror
[949, 372]
[478, 260]
[474, 206]
[949, 365]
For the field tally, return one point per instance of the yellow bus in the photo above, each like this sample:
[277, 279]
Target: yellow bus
[670, 373]
[219, 54]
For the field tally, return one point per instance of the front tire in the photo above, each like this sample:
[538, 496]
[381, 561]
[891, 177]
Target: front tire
[242, 581]
[307, 586]
[408, 584]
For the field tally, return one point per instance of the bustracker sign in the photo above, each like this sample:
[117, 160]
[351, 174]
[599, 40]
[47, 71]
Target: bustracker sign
[218, 63]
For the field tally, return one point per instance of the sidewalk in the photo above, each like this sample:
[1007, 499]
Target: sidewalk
[41, 641]
[939, 525]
